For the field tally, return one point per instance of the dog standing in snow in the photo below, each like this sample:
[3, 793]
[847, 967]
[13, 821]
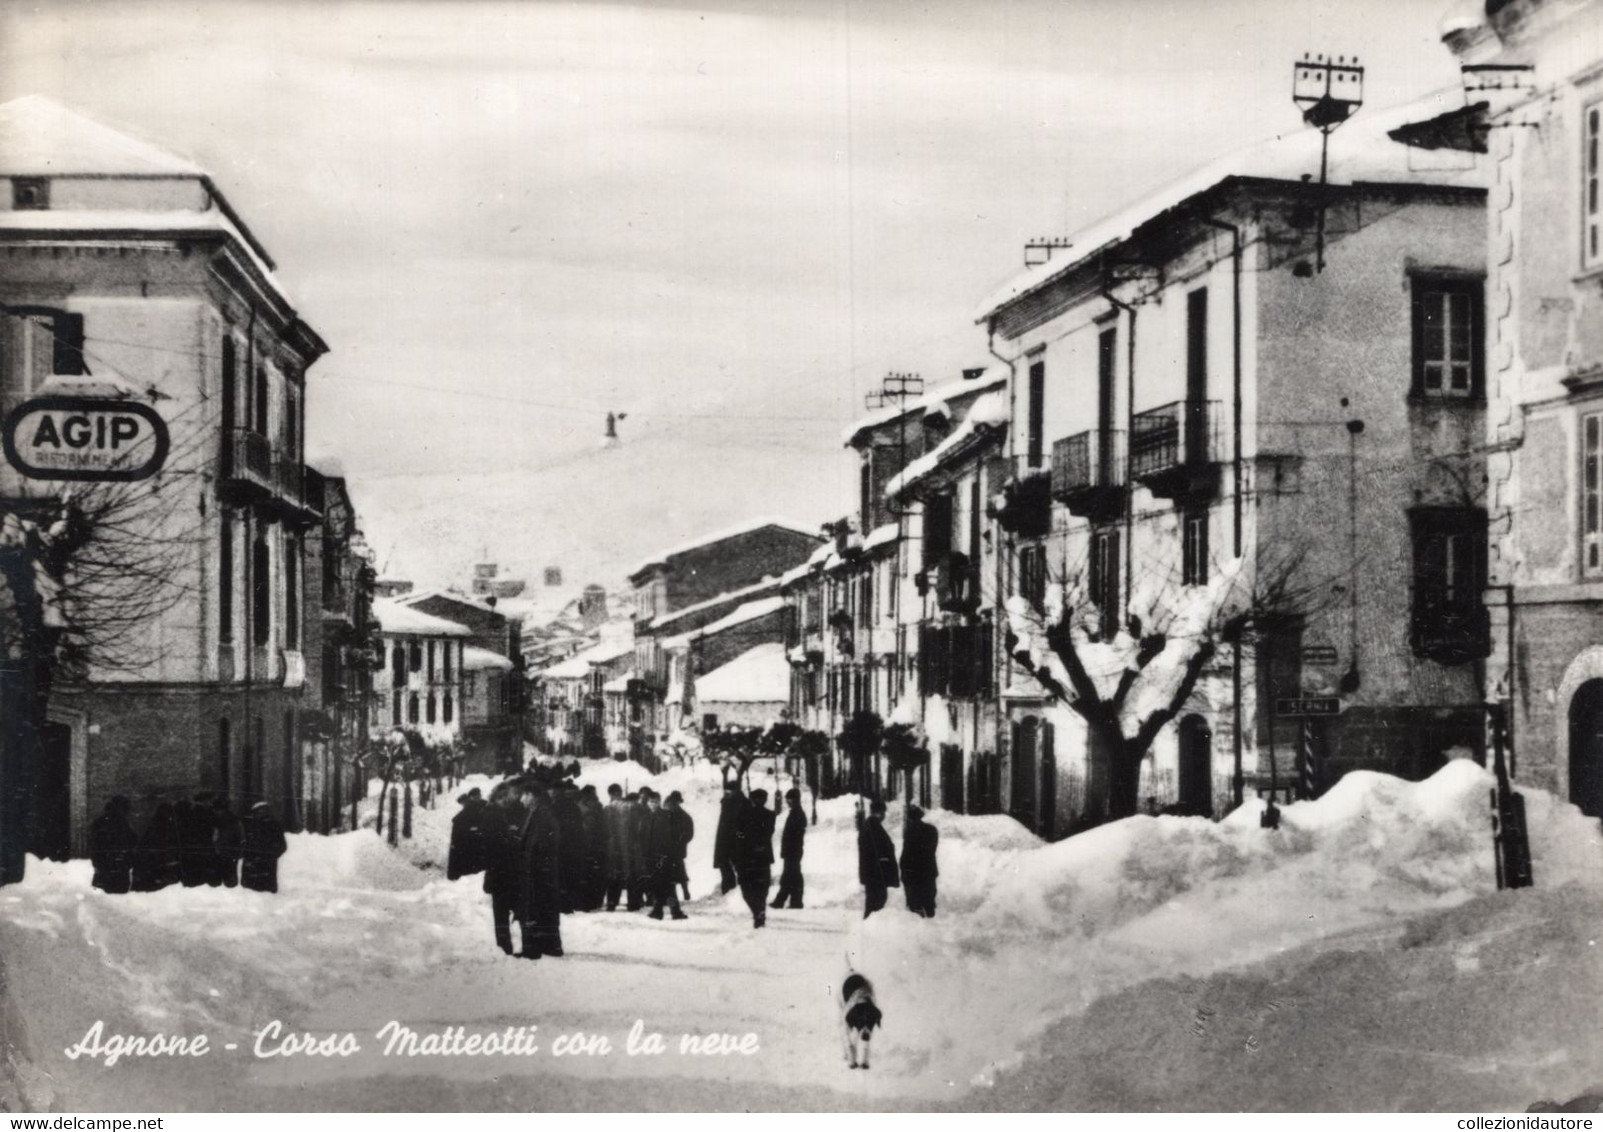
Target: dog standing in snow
[858, 1018]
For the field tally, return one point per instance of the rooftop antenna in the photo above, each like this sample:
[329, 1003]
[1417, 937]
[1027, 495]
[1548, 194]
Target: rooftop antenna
[1328, 92]
[898, 388]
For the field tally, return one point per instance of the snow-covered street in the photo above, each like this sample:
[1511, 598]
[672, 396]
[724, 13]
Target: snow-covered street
[1358, 956]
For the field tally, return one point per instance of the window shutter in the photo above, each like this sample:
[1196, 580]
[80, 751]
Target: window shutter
[1477, 346]
[1417, 385]
[68, 359]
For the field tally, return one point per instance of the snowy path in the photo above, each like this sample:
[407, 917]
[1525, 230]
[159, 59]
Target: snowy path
[1067, 953]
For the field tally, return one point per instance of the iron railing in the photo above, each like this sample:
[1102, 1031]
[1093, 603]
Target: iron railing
[1182, 434]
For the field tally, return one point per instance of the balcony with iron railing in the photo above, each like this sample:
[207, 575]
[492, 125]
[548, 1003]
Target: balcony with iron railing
[257, 470]
[1175, 449]
[1088, 473]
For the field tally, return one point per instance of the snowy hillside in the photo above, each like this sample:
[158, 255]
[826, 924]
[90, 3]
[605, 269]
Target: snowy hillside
[593, 511]
[1170, 960]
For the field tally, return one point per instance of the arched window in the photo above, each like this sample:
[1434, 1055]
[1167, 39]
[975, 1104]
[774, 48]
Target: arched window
[411, 708]
[446, 708]
[431, 709]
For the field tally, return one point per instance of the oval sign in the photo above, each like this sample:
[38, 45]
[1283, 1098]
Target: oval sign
[85, 438]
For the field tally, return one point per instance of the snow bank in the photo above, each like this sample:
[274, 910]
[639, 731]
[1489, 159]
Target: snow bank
[1027, 933]
[1161, 897]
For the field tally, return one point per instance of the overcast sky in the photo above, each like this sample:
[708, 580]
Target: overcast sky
[507, 218]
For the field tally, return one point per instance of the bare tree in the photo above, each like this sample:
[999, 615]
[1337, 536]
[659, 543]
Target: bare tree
[1128, 680]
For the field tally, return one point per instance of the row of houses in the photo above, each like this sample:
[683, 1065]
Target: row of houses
[225, 630]
[1364, 405]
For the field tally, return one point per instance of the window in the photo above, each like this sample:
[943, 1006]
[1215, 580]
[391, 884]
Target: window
[1448, 352]
[432, 709]
[1591, 214]
[225, 754]
[429, 649]
[225, 581]
[1037, 422]
[261, 582]
[292, 594]
[415, 657]
[937, 529]
[291, 425]
[1591, 493]
[450, 647]
[260, 398]
[226, 383]
[61, 331]
[1449, 557]
[399, 665]
[1105, 577]
[446, 708]
[1194, 547]
[1032, 575]
[30, 193]
[1450, 623]
[411, 708]
[865, 493]
[709, 722]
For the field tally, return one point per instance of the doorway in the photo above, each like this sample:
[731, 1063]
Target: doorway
[1196, 767]
[51, 839]
[1586, 748]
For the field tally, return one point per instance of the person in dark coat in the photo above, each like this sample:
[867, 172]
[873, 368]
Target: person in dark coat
[618, 867]
[156, 860]
[540, 898]
[754, 855]
[919, 839]
[724, 850]
[876, 860]
[593, 885]
[466, 855]
[791, 840]
[501, 822]
[570, 821]
[639, 860]
[670, 834]
[197, 837]
[264, 845]
[229, 843]
[112, 844]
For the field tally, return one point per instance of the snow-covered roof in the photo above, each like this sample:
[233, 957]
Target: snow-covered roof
[758, 675]
[713, 602]
[989, 414]
[935, 397]
[40, 137]
[580, 663]
[396, 618]
[1360, 153]
[881, 536]
[475, 659]
[795, 574]
[742, 614]
[746, 528]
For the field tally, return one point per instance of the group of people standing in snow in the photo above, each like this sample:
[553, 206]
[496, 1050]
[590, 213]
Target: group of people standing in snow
[743, 849]
[548, 848]
[193, 842]
[877, 867]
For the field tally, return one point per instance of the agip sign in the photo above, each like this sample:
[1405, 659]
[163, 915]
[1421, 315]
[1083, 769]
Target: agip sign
[85, 438]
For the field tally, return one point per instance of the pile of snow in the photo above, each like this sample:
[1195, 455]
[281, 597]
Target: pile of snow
[1027, 933]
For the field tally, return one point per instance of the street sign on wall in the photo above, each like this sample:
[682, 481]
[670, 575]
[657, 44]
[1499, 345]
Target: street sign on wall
[1308, 705]
[84, 438]
[1319, 654]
